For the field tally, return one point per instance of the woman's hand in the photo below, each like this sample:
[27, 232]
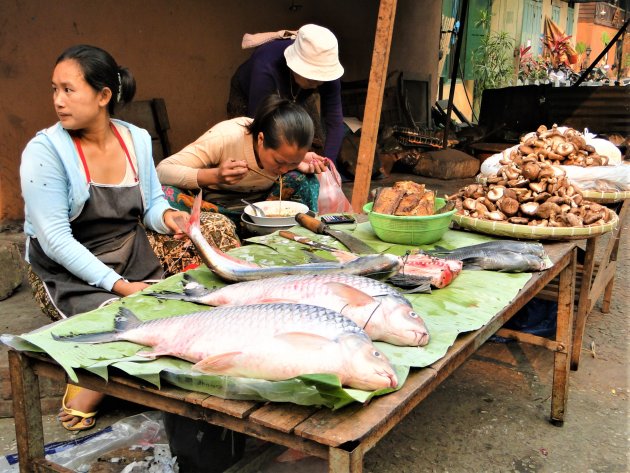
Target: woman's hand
[124, 288]
[169, 221]
[312, 164]
[230, 172]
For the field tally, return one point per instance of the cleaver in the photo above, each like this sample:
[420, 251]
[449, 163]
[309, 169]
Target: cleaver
[351, 242]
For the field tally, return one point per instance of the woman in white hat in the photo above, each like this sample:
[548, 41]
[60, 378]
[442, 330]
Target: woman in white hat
[294, 69]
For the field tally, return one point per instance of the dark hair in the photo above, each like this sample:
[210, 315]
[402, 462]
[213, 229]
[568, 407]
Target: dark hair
[282, 121]
[101, 70]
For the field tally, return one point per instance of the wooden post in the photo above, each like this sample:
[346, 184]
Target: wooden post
[373, 103]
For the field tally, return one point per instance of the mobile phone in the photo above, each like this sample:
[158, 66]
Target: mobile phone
[332, 219]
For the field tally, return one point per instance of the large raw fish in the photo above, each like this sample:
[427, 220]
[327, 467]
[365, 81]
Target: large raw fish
[508, 256]
[374, 306]
[266, 341]
[235, 270]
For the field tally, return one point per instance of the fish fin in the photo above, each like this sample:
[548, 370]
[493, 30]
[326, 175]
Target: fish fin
[303, 339]
[438, 249]
[216, 363]
[473, 264]
[354, 296]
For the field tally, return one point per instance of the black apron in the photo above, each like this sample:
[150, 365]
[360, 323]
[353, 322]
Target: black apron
[109, 227]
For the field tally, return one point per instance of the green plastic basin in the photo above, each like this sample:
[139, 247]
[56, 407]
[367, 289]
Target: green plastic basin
[407, 230]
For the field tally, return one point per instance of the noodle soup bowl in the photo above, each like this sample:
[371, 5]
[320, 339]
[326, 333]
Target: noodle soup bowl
[277, 213]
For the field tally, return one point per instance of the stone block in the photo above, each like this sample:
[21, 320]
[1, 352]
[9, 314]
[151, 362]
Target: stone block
[13, 268]
[446, 164]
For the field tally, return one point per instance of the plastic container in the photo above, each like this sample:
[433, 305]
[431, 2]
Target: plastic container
[407, 230]
[279, 213]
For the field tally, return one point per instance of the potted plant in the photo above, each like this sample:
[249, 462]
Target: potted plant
[492, 61]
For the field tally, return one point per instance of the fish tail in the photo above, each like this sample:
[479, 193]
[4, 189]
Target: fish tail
[195, 218]
[125, 320]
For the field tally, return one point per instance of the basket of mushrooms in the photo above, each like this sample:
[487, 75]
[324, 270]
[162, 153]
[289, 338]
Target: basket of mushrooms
[530, 196]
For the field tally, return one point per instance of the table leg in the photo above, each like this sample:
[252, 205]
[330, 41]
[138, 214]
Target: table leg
[584, 302]
[29, 432]
[342, 461]
[562, 357]
[616, 236]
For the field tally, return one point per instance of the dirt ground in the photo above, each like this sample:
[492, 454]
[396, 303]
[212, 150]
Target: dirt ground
[489, 416]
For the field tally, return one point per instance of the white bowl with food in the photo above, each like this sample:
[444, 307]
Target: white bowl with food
[261, 230]
[277, 212]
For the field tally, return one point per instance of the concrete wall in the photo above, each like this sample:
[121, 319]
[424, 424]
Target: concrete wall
[182, 50]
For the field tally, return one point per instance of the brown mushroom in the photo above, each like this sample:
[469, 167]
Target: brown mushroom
[518, 220]
[537, 186]
[565, 149]
[530, 171]
[496, 216]
[543, 196]
[547, 209]
[489, 204]
[469, 203]
[508, 206]
[496, 193]
[529, 208]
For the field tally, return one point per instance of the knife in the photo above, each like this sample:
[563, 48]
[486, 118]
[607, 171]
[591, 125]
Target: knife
[352, 243]
[307, 241]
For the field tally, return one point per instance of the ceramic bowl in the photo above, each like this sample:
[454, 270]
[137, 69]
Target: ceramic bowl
[260, 230]
[278, 213]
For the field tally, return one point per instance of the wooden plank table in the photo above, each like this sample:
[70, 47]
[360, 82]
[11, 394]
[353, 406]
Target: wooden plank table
[343, 436]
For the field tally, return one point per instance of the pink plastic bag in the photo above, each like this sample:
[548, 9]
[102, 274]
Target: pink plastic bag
[331, 197]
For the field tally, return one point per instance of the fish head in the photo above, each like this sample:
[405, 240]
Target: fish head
[364, 366]
[400, 324]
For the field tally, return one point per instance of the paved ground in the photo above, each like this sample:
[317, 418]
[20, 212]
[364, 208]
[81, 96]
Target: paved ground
[490, 416]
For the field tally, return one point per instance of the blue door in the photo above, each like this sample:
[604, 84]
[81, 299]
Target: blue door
[531, 32]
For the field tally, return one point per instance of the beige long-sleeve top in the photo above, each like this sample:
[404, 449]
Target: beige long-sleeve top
[224, 141]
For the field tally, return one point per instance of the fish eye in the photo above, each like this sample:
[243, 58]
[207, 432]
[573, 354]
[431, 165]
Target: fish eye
[376, 353]
[413, 315]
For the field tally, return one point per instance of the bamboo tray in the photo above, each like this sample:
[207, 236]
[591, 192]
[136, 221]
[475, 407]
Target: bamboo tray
[527, 232]
[605, 197]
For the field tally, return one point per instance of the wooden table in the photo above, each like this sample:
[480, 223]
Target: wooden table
[343, 436]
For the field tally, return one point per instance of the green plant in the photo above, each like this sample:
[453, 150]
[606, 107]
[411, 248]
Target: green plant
[580, 47]
[492, 61]
[605, 38]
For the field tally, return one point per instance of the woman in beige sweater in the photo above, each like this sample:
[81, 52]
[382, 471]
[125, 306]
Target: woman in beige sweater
[243, 158]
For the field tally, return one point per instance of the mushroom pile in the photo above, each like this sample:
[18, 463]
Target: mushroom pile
[568, 148]
[529, 190]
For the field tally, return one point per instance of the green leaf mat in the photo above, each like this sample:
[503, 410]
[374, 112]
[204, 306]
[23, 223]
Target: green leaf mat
[468, 303]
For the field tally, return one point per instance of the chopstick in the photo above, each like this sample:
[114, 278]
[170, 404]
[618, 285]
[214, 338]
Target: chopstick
[262, 174]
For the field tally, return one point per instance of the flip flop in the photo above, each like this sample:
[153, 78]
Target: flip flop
[87, 418]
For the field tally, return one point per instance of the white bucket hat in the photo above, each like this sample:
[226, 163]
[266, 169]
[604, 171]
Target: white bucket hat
[314, 54]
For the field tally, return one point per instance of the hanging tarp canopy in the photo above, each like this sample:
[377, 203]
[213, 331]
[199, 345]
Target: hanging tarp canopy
[557, 45]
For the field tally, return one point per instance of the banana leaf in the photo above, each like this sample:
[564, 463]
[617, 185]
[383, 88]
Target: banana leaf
[467, 304]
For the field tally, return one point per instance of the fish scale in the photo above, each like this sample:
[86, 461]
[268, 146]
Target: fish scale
[260, 319]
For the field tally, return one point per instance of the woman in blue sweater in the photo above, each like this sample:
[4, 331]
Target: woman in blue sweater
[90, 189]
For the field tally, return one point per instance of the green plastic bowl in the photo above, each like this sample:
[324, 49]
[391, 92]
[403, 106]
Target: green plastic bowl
[407, 230]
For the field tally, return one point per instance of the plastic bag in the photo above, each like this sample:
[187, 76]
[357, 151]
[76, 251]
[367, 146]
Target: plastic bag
[146, 429]
[331, 198]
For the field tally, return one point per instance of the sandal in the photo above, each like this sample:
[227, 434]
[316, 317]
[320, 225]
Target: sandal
[88, 419]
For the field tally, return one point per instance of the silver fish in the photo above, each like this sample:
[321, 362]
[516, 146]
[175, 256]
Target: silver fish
[235, 270]
[265, 341]
[506, 262]
[375, 306]
[490, 248]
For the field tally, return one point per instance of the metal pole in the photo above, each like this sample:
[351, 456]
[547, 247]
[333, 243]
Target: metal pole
[458, 46]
